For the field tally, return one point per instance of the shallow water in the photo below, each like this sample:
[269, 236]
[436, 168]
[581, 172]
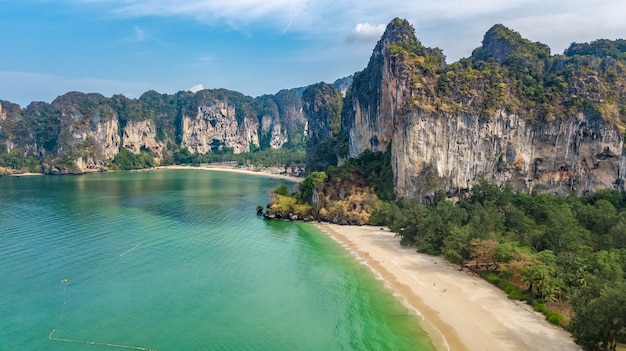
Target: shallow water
[178, 260]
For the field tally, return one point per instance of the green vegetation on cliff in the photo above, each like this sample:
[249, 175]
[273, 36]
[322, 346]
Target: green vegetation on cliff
[346, 194]
[322, 106]
[126, 160]
[511, 73]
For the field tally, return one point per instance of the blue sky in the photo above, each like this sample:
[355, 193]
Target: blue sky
[252, 46]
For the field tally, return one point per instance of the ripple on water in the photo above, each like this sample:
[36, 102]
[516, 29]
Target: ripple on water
[177, 260]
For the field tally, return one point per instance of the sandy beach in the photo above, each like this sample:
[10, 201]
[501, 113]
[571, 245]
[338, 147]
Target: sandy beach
[459, 311]
[264, 173]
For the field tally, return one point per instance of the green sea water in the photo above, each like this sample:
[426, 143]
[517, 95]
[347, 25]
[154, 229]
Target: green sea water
[178, 260]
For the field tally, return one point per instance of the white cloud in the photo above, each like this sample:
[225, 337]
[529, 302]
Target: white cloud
[235, 13]
[581, 22]
[366, 32]
[335, 17]
[196, 88]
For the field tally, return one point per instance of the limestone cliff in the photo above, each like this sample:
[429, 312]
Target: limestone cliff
[89, 133]
[380, 94]
[433, 152]
[511, 114]
[80, 132]
[281, 119]
[10, 120]
[273, 128]
[4, 140]
[322, 105]
[141, 135]
[214, 127]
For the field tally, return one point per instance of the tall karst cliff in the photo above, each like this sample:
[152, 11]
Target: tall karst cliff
[511, 114]
[80, 132]
[322, 107]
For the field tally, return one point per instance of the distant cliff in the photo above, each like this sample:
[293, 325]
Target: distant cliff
[511, 113]
[79, 132]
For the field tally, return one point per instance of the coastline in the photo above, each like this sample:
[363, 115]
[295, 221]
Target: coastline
[271, 173]
[459, 311]
[210, 167]
[28, 174]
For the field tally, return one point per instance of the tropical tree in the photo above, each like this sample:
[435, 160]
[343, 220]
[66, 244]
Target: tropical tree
[310, 185]
[456, 246]
[599, 322]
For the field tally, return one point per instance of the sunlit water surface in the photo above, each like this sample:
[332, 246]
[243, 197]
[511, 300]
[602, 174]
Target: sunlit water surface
[178, 260]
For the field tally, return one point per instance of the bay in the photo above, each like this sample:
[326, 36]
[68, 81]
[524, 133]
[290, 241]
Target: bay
[178, 260]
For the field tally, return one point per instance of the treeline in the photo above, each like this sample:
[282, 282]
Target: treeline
[14, 161]
[287, 158]
[551, 251]
[126, 160]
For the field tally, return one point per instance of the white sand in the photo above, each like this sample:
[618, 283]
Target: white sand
[237, 170]
[460, 311]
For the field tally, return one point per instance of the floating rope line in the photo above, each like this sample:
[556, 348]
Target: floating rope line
[128, 251]
[96, 343]
[119, 346]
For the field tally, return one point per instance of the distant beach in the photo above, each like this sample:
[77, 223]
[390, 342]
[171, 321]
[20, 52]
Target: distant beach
[273, 173]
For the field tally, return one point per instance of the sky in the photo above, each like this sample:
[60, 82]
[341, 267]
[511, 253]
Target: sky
[50, 47]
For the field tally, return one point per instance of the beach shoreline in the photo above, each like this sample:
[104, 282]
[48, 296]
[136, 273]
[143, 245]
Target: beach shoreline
[269, 173]
[458, 311]
[219, 168]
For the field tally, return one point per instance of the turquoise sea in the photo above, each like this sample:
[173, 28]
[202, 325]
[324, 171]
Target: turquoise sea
[178, 260]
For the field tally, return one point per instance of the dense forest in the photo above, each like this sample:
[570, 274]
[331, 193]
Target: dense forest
[568, 254]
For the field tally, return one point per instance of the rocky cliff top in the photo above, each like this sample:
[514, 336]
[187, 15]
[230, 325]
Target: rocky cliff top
[500, 42]
[511, 113]
[508, 72]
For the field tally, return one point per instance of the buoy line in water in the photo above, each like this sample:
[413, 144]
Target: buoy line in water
[50, 337]
[128, 251]
[74, 341]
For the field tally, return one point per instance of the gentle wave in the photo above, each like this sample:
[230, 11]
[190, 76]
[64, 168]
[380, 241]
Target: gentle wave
[179, 261]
